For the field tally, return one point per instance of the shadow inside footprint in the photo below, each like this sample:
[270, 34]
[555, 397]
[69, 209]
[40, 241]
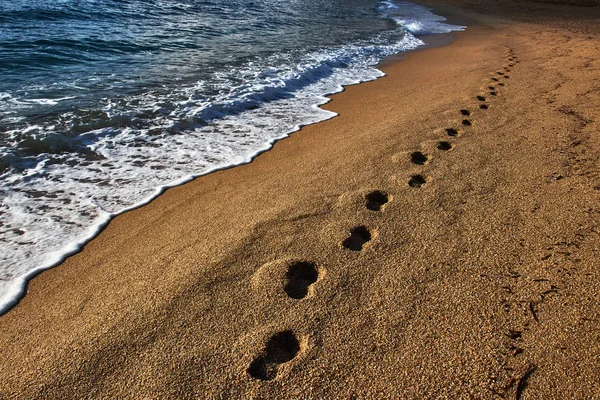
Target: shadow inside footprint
[495, 79]
[481, 98]
[451, 132]
[466, 113]
[466, 122]
[484, 106]
[418, 158]
[376, 200]
[300, 276]
[359, 236]
[493, 93]
[445, 146]
[281, 348]
[417, 181]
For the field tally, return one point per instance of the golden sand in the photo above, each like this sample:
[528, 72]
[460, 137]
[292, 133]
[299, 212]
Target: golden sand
[438, 239]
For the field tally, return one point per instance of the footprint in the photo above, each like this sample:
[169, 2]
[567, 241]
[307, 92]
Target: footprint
[491, 87]
[377, 199]
[417, 181]
[484, 106]
[495, 79]
[506, 76]
[445, 146]
[466, 113]
[359, 236]
[493, 93]
[501, 84]
[500, 72]
[300, 276]
[418, 158]
[280, 348]
[514, 334]
[452, 132]
[466, 122]
[480, 98]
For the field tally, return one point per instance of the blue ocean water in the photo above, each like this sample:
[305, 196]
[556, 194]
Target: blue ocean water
[103, 104]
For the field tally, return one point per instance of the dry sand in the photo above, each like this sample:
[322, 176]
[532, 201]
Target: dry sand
[483, 282]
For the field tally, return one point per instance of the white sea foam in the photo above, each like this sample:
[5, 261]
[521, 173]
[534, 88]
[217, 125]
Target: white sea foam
[417, 19]
[52, 208]
[51, 102]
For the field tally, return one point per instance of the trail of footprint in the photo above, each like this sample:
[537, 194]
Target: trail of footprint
[502, 74]
[376, 200]
[281, 348]
[300, 276]
[284, 346]
[359, 237]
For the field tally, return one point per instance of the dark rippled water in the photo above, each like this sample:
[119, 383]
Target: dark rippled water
[82, 53]
[104, 103]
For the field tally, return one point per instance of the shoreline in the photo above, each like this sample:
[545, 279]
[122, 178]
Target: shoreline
[181, 296]
[18, 288]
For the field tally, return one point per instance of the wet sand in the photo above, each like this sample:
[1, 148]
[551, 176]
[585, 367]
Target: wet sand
[440, 238]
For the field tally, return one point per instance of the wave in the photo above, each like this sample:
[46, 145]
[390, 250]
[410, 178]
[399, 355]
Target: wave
[417, 19]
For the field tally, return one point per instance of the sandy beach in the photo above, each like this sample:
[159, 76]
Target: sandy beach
[440, 238]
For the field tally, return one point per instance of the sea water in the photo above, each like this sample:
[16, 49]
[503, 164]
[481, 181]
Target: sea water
[105, 103]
